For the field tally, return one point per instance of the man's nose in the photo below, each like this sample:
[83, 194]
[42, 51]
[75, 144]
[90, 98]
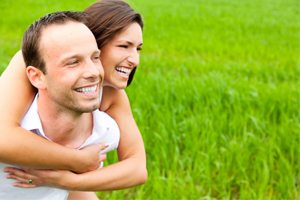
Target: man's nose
[92, 69]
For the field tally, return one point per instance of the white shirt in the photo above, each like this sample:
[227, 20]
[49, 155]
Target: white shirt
[105, 130]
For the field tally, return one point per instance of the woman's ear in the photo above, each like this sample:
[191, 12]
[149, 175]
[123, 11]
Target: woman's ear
[36, 77]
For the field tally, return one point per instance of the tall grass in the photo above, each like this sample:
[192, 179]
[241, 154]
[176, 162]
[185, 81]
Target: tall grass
[216, 95]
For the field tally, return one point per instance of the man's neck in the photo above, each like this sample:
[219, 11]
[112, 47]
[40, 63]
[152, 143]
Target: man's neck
[64, 127]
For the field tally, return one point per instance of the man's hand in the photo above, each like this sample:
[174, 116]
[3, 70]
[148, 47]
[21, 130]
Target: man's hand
[92, 157]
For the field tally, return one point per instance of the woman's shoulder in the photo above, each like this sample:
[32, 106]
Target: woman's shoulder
[112, 96]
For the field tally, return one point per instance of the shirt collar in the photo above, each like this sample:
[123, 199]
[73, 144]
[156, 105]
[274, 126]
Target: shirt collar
[32, 122]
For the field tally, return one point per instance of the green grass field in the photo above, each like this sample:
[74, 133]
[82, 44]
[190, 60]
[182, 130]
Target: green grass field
[216, 95]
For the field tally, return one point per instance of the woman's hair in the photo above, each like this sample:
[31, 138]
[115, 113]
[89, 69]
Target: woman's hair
[109, 17]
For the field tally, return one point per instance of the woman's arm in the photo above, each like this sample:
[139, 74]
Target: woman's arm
[129, 172]
[23, 148]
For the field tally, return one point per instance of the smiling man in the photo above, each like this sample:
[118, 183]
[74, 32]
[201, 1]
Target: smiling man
[62, 60]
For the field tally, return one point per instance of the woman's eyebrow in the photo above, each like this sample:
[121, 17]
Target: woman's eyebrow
[129, 42]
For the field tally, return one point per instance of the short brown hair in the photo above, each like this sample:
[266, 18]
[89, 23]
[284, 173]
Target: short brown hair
[109, 17]
[32, 36]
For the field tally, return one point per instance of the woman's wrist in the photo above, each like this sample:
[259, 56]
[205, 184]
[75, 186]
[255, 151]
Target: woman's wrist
[71, 181]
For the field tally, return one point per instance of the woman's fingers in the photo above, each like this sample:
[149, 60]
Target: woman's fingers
[25, 180]
[102, 157]
[14, 172]
[24, 185]
[30, 178]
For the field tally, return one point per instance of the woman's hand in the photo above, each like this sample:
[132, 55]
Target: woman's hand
[91, 153]
[40, 177]
[62, 179]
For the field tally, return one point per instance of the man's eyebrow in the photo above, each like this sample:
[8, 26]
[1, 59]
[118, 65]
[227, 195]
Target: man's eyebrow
[64, 59]
[97, 51]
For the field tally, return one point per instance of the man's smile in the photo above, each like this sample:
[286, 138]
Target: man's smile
[87, 90]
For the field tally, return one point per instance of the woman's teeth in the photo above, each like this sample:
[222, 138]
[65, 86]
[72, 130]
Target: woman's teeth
[123, 70]
[87, 90]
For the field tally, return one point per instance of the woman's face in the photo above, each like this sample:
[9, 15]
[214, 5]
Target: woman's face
[120, 55]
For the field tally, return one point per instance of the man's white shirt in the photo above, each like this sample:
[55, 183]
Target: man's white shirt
[105, 129]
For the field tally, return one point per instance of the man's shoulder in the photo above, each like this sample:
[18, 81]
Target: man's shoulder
[101, 118]
[31, 120]
[107, 129]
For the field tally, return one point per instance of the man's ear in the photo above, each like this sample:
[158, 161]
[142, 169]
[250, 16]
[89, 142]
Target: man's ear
[36, 77]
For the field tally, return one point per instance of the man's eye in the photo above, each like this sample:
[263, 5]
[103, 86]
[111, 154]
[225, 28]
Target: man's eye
[96, 57]
[139, 48]
[72, 62]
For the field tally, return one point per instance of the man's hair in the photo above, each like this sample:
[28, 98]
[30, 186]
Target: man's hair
[32, 37]
[110, 17]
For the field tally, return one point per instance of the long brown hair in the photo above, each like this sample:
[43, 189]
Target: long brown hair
[109, 17]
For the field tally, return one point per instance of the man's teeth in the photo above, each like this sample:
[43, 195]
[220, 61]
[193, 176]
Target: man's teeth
[123, 71]
[87, 90]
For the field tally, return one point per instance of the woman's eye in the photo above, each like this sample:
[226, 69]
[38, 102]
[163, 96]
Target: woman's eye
[139, 48]
[124, 46]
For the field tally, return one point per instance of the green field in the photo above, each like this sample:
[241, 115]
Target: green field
[216, 95]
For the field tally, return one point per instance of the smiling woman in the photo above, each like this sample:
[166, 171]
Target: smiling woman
[123, 36]
[120, 55]
[119, 42]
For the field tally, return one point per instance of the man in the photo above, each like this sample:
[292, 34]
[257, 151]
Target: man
[63, 64]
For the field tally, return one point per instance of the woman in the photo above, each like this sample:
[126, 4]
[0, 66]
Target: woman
[118, 31]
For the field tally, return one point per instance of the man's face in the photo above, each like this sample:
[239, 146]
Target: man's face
[74, 73]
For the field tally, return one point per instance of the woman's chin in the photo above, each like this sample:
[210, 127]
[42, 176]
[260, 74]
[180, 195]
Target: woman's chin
[116, 84]
[121, 86]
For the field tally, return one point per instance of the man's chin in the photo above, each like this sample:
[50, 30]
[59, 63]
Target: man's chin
[88, 108]
[91, 109]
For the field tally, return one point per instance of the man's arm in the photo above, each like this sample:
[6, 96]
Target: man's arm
[23, 148]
